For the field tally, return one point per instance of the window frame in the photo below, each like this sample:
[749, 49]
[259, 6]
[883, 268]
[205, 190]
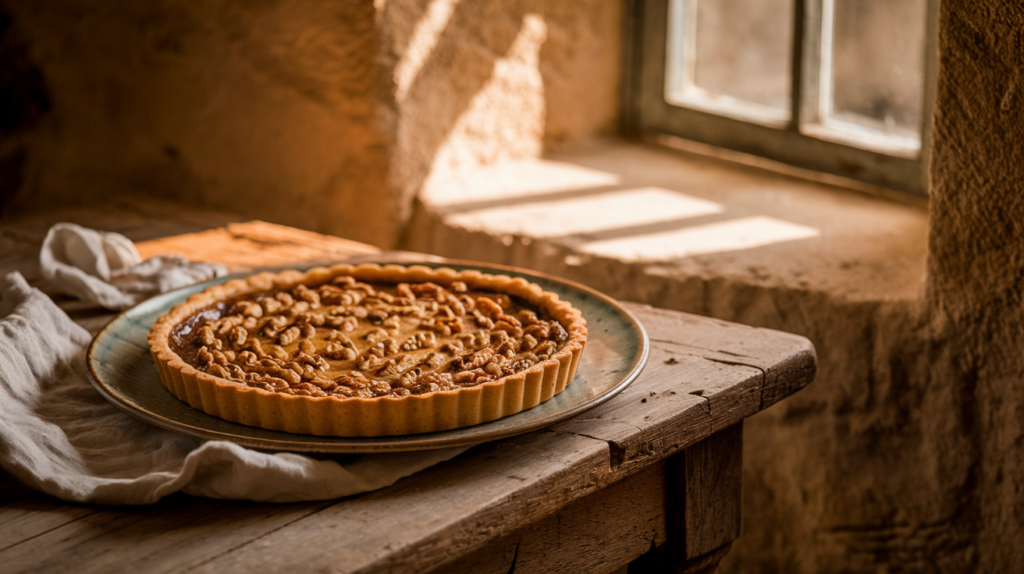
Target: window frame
[803, 140]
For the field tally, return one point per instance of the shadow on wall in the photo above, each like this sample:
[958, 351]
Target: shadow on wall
[271, 109]
[24, 100]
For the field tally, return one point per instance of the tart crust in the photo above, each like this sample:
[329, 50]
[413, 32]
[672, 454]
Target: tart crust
[378, 416]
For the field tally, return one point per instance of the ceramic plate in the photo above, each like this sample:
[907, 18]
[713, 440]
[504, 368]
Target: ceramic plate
[121, 368]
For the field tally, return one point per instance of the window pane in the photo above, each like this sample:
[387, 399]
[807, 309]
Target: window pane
[878, 64]
[731, 57]
[743, 49]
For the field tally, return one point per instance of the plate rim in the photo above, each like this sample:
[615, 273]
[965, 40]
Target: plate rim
[397, 443]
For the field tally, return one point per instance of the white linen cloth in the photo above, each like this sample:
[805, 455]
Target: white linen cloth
[60, 436]
[105, 269]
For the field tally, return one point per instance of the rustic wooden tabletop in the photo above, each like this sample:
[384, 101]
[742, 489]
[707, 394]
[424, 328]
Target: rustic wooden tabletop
[652, 476]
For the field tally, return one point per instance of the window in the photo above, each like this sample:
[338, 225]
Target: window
[839, 86]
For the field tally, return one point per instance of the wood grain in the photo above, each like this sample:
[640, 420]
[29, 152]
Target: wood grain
[24, 520]
[702, 510]
[177, 533]
[788, 362]
[254, 244]
[449, 510]
[710, 474]
[587, 536]
[703, 377]
[458, 507]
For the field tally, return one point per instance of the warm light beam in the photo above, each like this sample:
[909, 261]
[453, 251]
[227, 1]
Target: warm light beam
[421, 44]
[514, 180]
[735, 235]
[585, 214]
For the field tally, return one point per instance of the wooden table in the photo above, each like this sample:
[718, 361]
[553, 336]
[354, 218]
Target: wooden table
[652, 476]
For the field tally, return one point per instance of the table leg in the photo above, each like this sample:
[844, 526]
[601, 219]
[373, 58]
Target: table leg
[705, 564]
[702, 511]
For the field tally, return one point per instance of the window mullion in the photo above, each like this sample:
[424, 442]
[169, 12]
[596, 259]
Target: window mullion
[797, 66]
[799, 135]
[807, 108]
[681, 46]
[931, 72]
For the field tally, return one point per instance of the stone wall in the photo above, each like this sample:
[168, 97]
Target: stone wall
[274, 109]
[976, 269]
[907, 452]
[323, 115]
[480, 82]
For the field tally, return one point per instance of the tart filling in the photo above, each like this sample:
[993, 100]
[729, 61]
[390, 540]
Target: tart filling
[368, 350]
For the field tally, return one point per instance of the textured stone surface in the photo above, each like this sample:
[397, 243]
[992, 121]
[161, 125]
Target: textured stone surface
[976, 275]
[906, 453]
[324, 115]
[478, 82]
[855, 247]
[822, 489]
[272, 109]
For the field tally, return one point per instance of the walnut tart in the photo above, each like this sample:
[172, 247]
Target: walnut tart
[368, 350]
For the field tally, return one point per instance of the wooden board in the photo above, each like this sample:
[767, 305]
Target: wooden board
[458, 507]
[714, 372]
[704, 511]
[585, 537]
[254, 244]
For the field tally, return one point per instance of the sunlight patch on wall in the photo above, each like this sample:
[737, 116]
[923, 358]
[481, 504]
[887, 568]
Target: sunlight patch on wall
[505, 119]
[586, 214]
[424, 38]
[734, 235]
[513, 179]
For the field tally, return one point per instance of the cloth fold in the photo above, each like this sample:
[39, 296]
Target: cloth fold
[60, 436]
[105, 269]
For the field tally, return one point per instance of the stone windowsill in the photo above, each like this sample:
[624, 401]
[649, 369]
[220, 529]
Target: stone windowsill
[643, 223]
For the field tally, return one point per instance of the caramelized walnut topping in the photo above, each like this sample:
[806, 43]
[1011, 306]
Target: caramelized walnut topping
[377, 316]
[482, 321]
[489, 308]
[419, 341]
[452, 347]
[289, 336]
[352, 339]
[339, 352]
[237, 336]
[249, 308]
[307, 295]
